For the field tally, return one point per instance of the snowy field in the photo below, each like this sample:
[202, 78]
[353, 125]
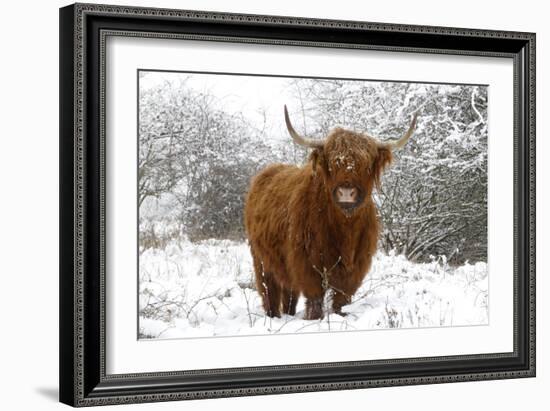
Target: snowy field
[207, 289]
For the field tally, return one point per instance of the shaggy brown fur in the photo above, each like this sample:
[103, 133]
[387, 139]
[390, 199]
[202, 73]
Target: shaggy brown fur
[296, 228]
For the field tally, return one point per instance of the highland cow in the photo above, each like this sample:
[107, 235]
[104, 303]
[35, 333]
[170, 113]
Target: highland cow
[314, 228]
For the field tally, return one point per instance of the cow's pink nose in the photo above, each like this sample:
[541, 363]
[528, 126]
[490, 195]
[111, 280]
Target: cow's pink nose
[346, 194]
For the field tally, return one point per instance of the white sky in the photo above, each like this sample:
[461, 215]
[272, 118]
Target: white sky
[249, 95]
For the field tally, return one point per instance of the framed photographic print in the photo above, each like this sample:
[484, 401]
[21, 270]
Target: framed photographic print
[262, 204]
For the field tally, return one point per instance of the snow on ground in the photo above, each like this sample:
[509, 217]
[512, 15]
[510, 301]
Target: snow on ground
[207, 289]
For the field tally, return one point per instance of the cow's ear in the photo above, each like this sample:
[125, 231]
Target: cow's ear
[382, 160]
[318, 161]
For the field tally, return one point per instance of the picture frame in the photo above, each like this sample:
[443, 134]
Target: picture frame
[84, 223]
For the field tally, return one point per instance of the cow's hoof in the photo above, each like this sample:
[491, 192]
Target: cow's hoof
[341, 313]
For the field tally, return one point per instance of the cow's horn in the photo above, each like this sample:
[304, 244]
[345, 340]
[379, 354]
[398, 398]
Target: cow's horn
[298, 139]
[403, 140]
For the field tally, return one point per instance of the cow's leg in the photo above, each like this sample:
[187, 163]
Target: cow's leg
[271, 293]
[289, 300]
[338, 301]
[314, 308]
[267, 287]
[314, 295]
